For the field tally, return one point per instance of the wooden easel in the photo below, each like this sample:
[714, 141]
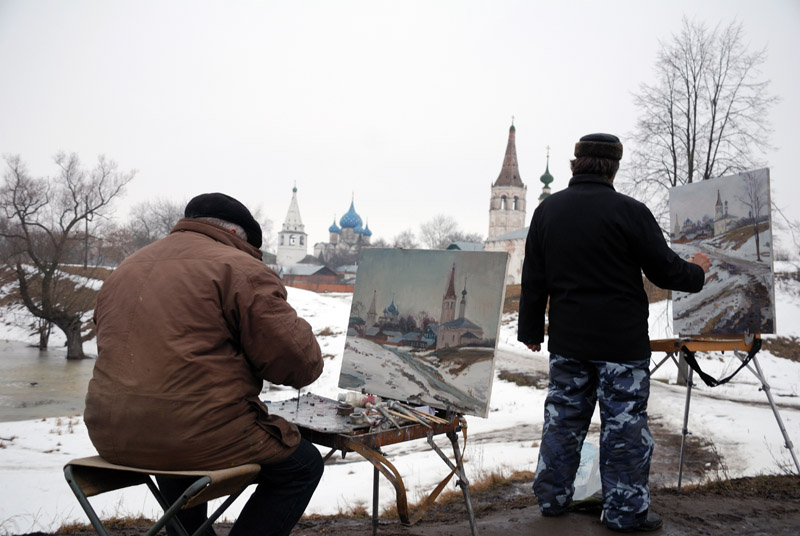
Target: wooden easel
[317, 419]
[735, 344]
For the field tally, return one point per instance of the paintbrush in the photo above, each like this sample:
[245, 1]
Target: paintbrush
[398, 408]
[428, 416]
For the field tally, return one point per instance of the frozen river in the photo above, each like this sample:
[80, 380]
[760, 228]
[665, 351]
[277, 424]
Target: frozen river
[36, 384]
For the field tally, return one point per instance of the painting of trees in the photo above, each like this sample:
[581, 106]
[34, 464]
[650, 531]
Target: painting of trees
[756, 199]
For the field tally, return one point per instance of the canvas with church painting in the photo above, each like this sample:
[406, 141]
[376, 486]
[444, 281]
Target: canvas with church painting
[728, 218]
[423, 327]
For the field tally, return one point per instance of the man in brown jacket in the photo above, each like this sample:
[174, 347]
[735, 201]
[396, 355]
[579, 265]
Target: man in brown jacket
[188, 329]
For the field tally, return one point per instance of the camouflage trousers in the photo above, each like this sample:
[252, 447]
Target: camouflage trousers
[626, 445]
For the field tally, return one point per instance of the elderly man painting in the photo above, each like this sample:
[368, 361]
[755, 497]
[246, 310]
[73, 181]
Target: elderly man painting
[188, 329]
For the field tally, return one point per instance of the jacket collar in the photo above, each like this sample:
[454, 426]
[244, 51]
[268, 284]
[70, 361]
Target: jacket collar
[591, 179]
[217, 233]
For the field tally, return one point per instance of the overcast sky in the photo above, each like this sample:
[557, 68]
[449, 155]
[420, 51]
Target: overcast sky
[404, 105]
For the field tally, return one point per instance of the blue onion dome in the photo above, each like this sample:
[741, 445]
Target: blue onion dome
[334, 228]
[391, 310]
[351, 219]
[366, 231]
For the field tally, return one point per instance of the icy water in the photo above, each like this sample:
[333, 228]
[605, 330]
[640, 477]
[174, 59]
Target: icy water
[36, 384]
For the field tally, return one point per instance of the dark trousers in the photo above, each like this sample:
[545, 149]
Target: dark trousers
[626, 445]
[282, 493]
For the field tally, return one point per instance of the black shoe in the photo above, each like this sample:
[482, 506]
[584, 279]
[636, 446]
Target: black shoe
[651, 523]
[558, 513]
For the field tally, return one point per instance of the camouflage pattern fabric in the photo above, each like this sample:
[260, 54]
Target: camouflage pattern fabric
[626, 445]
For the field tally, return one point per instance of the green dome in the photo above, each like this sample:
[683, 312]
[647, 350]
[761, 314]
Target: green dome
[547, 178]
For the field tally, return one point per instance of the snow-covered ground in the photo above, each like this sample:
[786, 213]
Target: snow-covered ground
[34, 495]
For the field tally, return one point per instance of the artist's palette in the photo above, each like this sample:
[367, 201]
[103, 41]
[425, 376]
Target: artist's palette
[314, 412]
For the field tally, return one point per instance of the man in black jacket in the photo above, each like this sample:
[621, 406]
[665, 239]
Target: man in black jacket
[586, 249]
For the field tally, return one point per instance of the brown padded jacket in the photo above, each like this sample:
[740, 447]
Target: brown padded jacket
[187, 330]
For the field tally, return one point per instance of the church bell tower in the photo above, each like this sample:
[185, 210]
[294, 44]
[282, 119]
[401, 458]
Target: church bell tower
[292, 239]
[507, 205]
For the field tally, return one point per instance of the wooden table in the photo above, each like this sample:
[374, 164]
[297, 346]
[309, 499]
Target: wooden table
[319, 421]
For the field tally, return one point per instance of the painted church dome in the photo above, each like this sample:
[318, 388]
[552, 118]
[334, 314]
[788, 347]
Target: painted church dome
[351, 220]
[391, 310]
[366, 231]
[334, 228]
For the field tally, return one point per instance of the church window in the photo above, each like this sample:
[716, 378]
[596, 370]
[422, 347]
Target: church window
[516, 203]
[292, 240]
[281, 239]
[504, 203]
[302, 242]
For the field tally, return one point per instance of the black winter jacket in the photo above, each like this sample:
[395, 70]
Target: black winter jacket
[586, 249]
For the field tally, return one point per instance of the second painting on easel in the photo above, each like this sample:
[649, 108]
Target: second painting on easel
[423, 327]
[727, 218]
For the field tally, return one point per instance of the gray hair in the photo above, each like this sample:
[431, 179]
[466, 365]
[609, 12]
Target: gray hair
[240, 232]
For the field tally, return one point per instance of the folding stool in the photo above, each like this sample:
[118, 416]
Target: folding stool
[92, 476]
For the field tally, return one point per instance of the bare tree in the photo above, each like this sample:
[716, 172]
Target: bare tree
[152, 220]
[155, 219]
[267, 236]
[705, 115]
[43, 220]
[436, 233]
[460, 236]
[379, 243]
[441, 231]
[405, 240]
[756, 199]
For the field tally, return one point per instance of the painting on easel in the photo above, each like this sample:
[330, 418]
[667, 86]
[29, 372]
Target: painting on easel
[727, 218]
[423, 327]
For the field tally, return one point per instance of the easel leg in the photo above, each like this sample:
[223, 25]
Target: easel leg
[685, 430]
[765, 386]
[462, 481]
[374, 501]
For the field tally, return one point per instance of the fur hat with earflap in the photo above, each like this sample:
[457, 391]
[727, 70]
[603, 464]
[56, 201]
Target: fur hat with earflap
[599, 146]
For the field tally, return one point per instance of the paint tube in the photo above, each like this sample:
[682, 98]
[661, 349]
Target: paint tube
[358, 400]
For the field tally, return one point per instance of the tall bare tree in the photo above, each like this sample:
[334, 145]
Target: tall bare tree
[705, 115]
[42, 222]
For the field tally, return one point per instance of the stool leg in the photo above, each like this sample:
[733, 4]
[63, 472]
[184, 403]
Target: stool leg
[219, 511]
[169, 514]
[84, 502]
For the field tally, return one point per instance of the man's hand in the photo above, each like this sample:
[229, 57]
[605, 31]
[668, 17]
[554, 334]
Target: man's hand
[701, 260]
[534, 347]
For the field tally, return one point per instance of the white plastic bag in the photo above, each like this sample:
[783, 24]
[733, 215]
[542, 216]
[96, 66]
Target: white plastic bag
[587, 479]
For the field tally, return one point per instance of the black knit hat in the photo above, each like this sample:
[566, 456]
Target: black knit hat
[599, 146]
[226, 208]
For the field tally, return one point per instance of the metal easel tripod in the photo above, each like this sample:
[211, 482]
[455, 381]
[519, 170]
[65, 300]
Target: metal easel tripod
[687, 347]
